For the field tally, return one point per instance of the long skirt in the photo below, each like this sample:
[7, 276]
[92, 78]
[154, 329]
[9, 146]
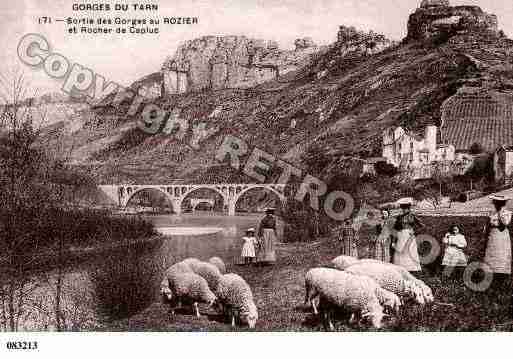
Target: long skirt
[380, 249]
[406, 254]
[348, 247]
[498, 251]
[267, 251]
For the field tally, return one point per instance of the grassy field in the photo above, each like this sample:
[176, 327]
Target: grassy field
[279, 294]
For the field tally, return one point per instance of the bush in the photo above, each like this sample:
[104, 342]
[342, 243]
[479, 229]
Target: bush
[476, 148]
[126, 281]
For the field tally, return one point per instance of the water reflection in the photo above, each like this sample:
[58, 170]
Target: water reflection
[120, 283]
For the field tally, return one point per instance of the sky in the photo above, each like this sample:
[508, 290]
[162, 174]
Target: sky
[126, 58]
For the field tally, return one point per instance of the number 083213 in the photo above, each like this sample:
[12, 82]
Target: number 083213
[21, 345]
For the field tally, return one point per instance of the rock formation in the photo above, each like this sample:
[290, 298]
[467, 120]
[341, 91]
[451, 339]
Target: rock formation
[436, 19]
[222, 62]
[350, 40]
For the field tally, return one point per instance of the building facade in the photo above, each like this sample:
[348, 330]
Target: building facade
[405, 151]
[503, 165]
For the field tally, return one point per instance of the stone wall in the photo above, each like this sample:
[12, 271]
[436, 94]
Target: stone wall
[220, 62]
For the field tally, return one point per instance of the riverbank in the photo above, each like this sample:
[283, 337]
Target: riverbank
[279, 295]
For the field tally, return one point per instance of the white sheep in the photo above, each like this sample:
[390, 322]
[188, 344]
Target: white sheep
[180, 284]
[339, 289]
[191, 262]
[388, 278]
[313, 283]
[169, 276]
[427, 293]
[218, 262]
[235, 297]
[208, 271]
[342, 262]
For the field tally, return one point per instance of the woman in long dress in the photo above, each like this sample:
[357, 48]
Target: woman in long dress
[348, 239]
[267, 237]
[498, 247]
[381, 242]
[405, 248]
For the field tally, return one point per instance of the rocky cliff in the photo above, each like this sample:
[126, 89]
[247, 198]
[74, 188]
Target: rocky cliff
[436, 19]
[223, 62]
[337, 106]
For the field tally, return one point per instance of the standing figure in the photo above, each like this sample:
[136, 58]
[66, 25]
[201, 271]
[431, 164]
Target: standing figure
[382, 241]
[267, 237]
[405, 248]
[248, 248]
[349, 239]
[498, 247]
[454, 259]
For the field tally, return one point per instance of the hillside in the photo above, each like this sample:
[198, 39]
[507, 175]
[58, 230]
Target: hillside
[336, 105]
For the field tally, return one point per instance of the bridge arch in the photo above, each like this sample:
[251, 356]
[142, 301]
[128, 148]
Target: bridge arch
[138, 189]
[197, 188]
[267, 188]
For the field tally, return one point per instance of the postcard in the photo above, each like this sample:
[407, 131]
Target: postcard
[255, 166]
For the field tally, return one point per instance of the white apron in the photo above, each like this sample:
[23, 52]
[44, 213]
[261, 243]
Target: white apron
[498, 248]
[406, 254]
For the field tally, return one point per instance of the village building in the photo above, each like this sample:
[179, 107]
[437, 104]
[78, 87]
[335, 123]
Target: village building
[503, 165]
[406, 150]
[423, 157]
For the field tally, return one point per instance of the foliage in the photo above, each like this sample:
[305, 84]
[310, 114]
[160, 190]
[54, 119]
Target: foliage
[476, 148]
[126, 281]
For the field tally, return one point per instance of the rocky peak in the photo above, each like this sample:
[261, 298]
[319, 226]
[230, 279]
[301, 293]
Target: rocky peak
[436, 19]
[426, 4]
[304, 43]
[349, 39]
[221, 62]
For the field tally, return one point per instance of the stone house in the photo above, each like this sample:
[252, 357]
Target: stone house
[503, 165]
[404, 150]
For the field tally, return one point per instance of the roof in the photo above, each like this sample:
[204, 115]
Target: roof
[506, 148]
[485, 117]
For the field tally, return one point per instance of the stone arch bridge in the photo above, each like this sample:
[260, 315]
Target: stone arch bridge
[231, 193]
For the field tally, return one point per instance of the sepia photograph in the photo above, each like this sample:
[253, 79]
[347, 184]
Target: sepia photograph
[262, 166]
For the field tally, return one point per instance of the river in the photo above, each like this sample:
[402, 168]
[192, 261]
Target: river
[120, 283]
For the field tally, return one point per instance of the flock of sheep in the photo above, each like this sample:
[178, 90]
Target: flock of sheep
[363, 288]
[195, 281]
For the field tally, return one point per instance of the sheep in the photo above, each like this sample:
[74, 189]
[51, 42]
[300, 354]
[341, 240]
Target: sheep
[208, 271]
[191, 262]
[218, 262]
[342, 262]
[388, 278]
[338, 289]
[170, 275]
[180, 284]
[427, 293]
[386, 298]
[235, 296]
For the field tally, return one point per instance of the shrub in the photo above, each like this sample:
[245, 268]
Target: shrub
[476, 148]
[126, 281]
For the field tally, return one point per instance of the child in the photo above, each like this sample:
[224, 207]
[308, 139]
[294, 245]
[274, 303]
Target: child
[454, 257]
[248, 248]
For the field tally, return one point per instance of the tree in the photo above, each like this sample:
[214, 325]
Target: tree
[476, 148]
[386, 169]
[36, 186]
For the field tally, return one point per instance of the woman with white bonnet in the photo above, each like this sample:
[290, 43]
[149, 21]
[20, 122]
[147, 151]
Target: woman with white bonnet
[405, 248]
[498, 246]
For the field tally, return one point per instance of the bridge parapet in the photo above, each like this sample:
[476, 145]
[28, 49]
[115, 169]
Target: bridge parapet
[176, 193]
